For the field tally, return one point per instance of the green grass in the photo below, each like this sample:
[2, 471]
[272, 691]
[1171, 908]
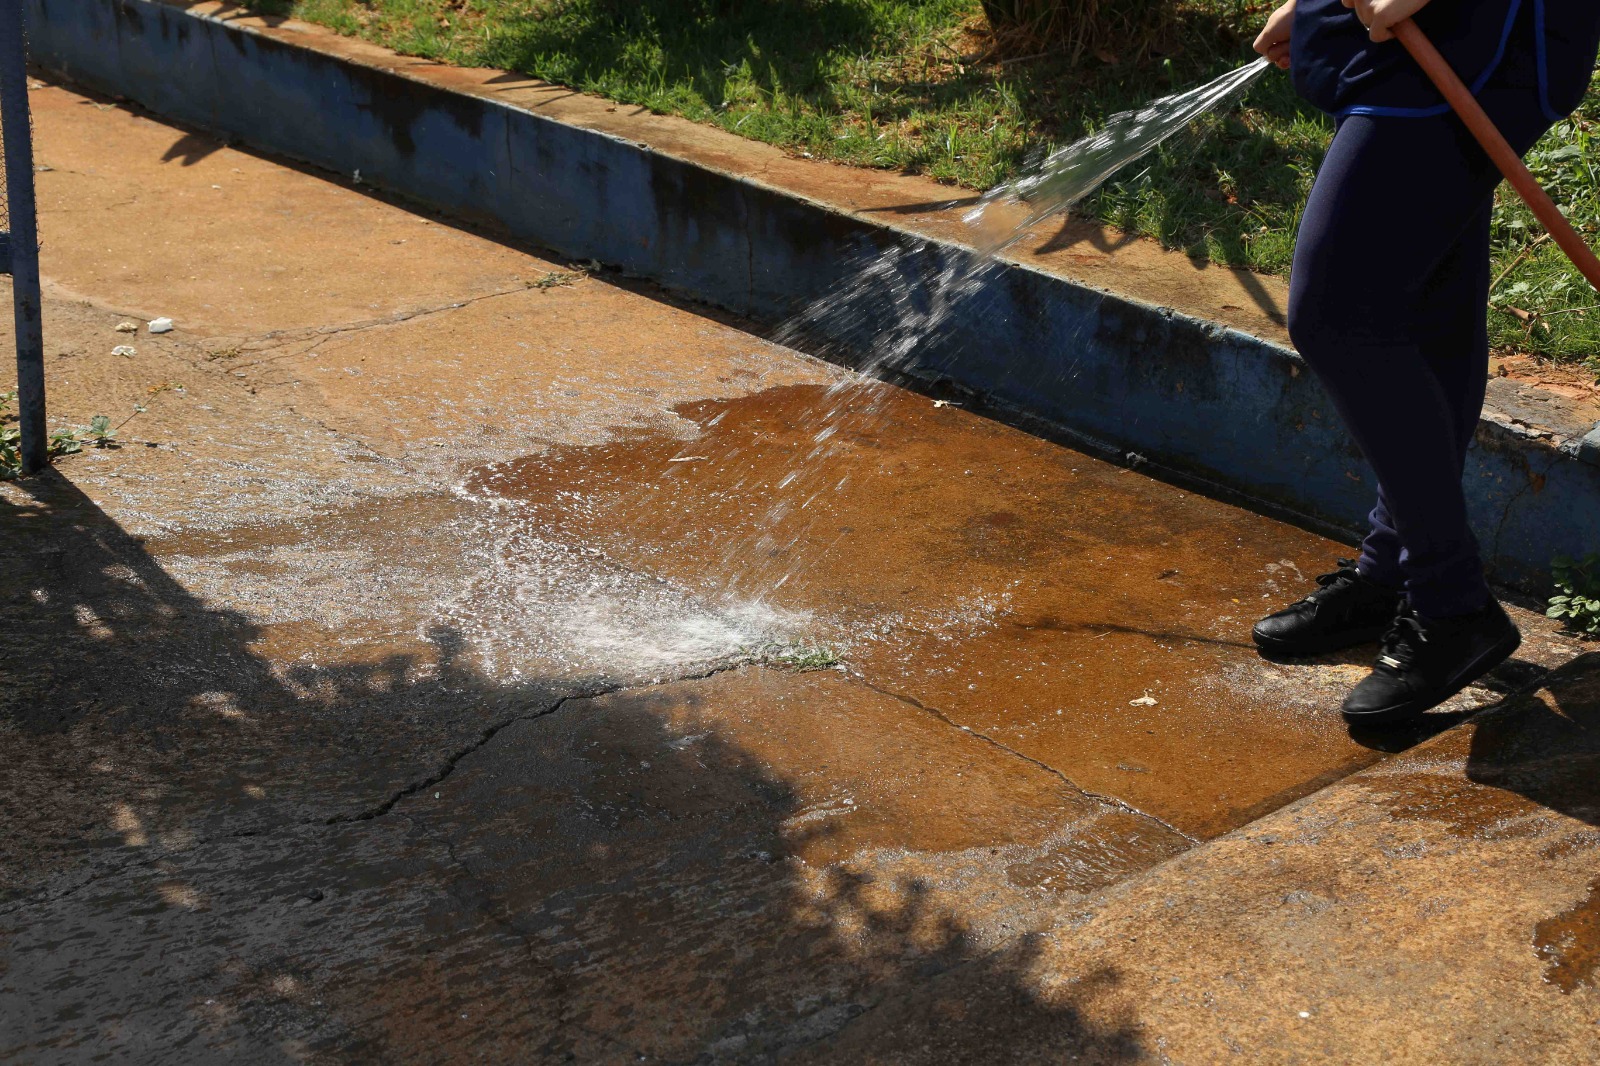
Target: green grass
[797, 657]
[1577, 593]
[1534, 276]
[901, 85]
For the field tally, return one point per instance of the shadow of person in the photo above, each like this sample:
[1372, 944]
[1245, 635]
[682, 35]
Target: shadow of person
[1546, 746]
[389, 854]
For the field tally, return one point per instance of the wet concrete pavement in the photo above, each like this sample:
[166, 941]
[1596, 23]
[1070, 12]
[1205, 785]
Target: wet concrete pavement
[421, 681]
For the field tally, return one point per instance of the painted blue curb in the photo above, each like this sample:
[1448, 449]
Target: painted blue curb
[1206, 401]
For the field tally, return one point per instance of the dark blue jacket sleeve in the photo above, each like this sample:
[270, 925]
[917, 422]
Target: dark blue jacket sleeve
[1569, 34]
[1337, 68]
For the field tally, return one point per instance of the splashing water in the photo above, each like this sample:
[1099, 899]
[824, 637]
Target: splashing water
[536, 604]
[904, 311]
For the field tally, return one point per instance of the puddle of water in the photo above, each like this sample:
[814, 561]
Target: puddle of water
[904, 533]
[1569, 943]
[1039, 600]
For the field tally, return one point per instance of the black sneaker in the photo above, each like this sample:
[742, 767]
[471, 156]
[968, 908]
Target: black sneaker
[1346, 609]
[1425, 663]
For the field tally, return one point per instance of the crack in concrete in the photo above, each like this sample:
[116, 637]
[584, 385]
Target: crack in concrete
[1108, 800]
[448, 767]
[45, 897]
[272, 340]
[489, 732]
[1529, 485]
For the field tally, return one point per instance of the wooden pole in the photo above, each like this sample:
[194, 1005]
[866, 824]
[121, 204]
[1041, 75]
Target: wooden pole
[1509, 162]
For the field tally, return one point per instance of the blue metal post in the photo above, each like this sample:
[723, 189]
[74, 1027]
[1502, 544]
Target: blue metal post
[21, 247]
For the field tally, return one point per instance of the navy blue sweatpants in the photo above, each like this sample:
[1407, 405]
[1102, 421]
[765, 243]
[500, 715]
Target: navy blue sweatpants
[1387, 304]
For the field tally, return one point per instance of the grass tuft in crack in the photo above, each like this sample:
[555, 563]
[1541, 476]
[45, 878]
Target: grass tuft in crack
[797, 657]
[556, 279]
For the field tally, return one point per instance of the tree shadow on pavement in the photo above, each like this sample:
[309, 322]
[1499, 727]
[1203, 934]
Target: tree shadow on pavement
[395, 857]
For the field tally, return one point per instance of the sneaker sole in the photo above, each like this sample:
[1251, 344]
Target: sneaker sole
[1301, 650]
[1400, 712]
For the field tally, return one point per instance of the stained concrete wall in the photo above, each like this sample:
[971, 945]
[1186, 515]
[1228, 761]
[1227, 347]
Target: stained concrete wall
[1207, 401]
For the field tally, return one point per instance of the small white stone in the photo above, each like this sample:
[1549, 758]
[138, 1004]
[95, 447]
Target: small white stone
[161, 325]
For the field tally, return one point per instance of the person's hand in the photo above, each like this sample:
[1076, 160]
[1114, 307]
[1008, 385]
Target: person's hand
[1273, 40]
[1378, 16]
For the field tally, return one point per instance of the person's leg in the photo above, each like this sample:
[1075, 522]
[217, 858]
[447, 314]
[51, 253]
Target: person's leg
[1455, 343]
[1387, 305]
[1455, 347]
[1430, 340]
[1392, 206]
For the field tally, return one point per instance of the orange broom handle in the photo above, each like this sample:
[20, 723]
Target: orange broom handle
[1510, 164]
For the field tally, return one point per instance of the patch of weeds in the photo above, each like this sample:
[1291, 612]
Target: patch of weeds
[798, 657]
[559, 279]
[1577, 597]
[69, 440]
[99, 433]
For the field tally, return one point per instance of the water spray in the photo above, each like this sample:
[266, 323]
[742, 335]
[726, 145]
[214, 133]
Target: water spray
[1070, 173]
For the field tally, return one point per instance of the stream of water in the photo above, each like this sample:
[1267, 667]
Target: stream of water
[1072, 172]
[924, 289]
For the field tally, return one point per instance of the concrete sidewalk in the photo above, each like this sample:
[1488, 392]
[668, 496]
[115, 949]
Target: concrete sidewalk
[423, 680]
